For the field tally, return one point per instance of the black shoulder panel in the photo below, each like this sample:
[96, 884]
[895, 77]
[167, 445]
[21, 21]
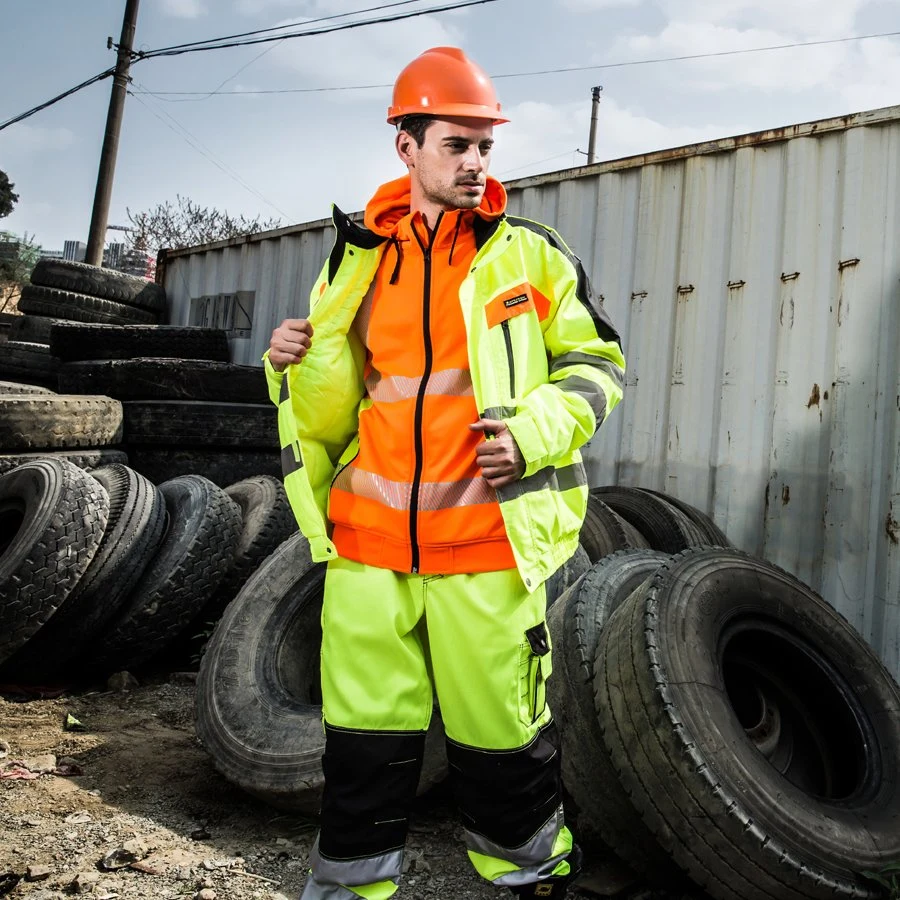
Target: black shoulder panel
[484, 229]
[583, 290]
[348, 232]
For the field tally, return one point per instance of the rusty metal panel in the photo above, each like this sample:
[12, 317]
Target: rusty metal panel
[756, 283]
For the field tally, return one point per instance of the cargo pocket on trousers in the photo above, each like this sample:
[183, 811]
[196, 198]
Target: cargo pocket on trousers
[534, 670]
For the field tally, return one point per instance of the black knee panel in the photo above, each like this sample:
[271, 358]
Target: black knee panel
[370, 782]
[507, 795]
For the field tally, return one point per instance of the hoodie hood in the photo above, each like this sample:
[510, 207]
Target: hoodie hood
[391, 203]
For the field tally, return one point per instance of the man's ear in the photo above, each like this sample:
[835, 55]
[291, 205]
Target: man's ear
[405, 144]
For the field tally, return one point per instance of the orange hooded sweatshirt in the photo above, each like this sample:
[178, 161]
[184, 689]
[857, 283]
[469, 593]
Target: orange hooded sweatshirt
[413, 499]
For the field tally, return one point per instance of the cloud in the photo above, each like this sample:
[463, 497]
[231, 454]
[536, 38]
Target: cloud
[785, 70]
[184, 9]
[538, 132]
[798, 17]
[373, 55]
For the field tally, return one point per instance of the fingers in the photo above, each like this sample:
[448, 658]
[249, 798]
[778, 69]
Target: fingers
[489, 426]
[290, 343]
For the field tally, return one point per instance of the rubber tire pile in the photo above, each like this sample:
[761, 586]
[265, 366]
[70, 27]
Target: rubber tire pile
[720, 722]
[89, 332]
[103, 570]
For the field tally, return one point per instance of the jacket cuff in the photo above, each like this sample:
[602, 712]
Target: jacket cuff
[529, 441]
[273, 379]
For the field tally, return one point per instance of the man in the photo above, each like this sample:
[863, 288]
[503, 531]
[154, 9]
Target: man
[430, 411]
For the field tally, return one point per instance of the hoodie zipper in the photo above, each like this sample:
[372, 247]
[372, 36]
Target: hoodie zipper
[420, 396]
[509, 358]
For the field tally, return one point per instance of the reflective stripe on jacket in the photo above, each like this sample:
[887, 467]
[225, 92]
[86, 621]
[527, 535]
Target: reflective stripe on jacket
[543, 356]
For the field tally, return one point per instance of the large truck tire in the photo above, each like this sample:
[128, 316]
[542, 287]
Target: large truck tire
[755, 731]
[74, 341]
[18, 387]
[75, 307]
[222, 466]
[666, 528]
[204, 525]
[166, 379]
[51, 421]
[82, 278]
[137, 521]
[85, 458]
[33, 329]
[602, 813]
[52, 518]
[259, 701]
[26, 361]
[201, 423]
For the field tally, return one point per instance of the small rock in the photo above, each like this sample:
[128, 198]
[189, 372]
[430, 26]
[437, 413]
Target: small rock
[37, 873]
[122, 681]
[78, 818]
[206, 894]
[4, 749]
[200, 834]
[118, 859]
[183, 677]
[85, 882]
[206, 883]
[282, 842]
[42, 764]
[31, 821]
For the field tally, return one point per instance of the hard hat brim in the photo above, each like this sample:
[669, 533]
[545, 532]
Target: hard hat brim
[442, 110]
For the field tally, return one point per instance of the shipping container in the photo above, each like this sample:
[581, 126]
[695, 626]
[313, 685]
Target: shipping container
[756, 284]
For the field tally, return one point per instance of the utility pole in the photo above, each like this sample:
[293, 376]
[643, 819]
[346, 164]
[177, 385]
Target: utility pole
[592, 140]
[100, 215]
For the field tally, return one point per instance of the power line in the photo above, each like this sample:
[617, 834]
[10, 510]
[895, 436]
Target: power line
[177, 51]
[206, 153]
[195, 48]
[536, 162]
[344, 15]
[36, 109]
[616, 65]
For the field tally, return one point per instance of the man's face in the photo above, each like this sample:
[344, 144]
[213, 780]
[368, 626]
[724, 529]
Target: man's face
[452, 163]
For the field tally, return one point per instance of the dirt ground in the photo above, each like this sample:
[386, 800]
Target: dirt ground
[130, 806]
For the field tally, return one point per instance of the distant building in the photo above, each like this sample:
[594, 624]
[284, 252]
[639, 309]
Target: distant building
[74, 251]
[52, 254]
[113, 254]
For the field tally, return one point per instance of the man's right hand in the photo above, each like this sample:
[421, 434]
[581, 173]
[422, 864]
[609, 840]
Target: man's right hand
[290, 342]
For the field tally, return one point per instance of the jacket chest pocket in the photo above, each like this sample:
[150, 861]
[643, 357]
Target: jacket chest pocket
[499, 312]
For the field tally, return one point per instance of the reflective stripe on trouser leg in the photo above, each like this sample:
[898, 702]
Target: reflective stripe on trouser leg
[377, 702]
[490, 652]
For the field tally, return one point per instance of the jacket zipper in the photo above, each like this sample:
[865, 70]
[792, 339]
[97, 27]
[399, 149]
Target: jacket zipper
[420, 397]
[509, 357]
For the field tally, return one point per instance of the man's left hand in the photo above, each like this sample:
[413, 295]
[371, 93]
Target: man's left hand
[499, 459]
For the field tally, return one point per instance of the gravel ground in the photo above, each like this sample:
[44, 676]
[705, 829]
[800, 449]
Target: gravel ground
[124, 804]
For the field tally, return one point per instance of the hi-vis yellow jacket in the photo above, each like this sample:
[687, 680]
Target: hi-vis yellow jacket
[543, 355]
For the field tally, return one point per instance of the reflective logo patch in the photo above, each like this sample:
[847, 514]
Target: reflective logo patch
[515, 301]
[543, 890]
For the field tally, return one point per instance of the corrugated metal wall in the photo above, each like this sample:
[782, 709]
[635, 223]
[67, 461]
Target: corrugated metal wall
[756, 283]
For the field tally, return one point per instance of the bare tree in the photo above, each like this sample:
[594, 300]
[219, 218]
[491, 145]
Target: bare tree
[187, 224]
[18, 256]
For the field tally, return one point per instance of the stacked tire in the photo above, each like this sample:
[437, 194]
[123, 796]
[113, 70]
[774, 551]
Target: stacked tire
[720, 721]
[186, 409]
[35, 422]
[104, 570]
[60, 291]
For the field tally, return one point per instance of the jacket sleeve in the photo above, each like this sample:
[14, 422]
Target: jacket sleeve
[586, 368]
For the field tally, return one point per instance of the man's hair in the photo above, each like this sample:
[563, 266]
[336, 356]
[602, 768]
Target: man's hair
[416, 126]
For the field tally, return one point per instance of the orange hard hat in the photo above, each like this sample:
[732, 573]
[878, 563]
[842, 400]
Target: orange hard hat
[443, 81]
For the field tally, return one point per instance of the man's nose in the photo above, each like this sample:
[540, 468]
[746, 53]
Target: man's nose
[473, 161]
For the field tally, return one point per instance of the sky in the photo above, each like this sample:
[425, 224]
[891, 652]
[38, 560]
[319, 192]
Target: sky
[289, 156]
